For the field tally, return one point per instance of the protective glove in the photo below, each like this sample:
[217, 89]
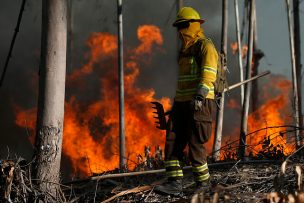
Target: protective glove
[202, 92]
[197, 102]
[199, 98]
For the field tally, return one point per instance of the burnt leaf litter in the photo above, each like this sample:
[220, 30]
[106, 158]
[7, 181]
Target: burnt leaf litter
[279, 179]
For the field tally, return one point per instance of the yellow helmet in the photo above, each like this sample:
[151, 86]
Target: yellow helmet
[187, 14]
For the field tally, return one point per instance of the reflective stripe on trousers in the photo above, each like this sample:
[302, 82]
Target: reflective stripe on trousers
[173, 169]
[201, 173]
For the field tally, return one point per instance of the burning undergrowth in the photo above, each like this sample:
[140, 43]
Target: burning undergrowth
[267, 126]
[91, 130]
[91, 110]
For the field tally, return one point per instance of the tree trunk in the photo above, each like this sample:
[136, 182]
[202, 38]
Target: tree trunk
[180, 4]
[122, 140]
[50, 116]
[297, 40]
[245, 110]
[257, 56]
[220, 112]
[69, 62]
[294, 75]
[239, 43]
[255, 68]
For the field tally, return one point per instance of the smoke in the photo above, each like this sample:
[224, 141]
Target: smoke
[21, 83]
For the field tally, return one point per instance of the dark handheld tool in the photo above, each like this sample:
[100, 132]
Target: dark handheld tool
[160, 117]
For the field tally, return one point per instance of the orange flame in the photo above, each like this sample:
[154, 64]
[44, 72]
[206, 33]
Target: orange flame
[274, 111]
[233, 104]
[244, 51]
[234, 48]
[147, 39]
[27, 120]
[91, 132]
[101, 44]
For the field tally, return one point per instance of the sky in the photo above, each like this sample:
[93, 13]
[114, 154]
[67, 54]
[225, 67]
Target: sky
[20, 85]
[273, 35]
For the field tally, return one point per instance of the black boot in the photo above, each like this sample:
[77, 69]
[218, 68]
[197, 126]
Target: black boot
[171, 187]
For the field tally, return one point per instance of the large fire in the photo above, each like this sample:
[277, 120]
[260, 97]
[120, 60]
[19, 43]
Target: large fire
[91, 131]
[91, 128]
[274, 110]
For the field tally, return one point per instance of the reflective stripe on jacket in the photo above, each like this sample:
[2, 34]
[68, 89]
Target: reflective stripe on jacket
[191, 75]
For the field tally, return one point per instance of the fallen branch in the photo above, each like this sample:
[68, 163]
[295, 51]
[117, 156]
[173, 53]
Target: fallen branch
[133, 190]
[294, 153]
[121, 175]
[219, 188]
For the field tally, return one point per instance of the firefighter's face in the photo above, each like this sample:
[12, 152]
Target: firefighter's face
[183, 25]
[188, 30]
[182, 29]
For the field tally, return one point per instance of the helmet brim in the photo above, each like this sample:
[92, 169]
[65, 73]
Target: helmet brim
[175, 24]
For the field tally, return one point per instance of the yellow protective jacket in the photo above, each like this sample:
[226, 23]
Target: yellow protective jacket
[191, 75]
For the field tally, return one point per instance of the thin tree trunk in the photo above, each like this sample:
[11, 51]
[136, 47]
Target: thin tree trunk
[294, 76]
[245, 110]
[122, 143]
[70, 34]
[239, 43]
[255, 69]
[220, 112]
[297, 40]
[180, 4]
[51, 94]
[257, 56]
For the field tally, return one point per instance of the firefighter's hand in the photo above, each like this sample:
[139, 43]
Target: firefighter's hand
[197, 102]
[202, 92]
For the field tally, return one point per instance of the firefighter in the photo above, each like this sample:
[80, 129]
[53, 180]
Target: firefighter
[193, 103]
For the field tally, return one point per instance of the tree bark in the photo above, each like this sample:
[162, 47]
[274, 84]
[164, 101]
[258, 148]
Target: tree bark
[255, 68]
[239, 43]
[122, 139]
[69, 35]
[258, 54]
[294, 75]
[245, 110]
[180, 4]
[220, 112]
[297, 40]
[50, 115]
